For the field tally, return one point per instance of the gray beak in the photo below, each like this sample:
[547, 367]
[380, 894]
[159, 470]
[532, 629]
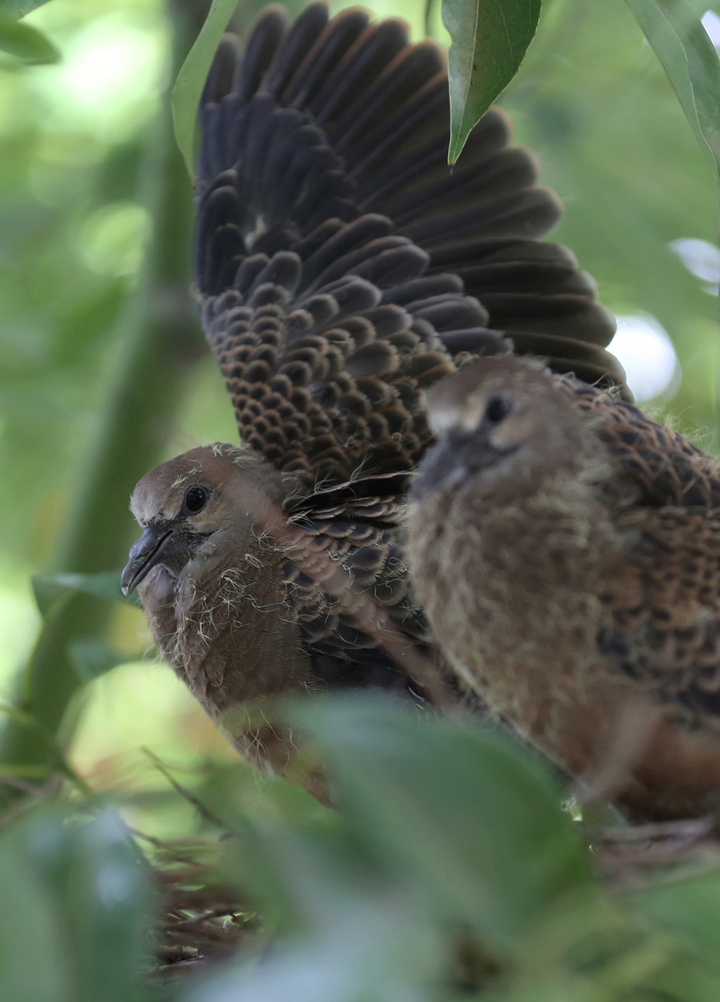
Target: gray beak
[144, 554]
[456, 456]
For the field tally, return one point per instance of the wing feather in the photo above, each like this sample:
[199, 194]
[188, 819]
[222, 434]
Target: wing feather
[662, 602]
[327, 220]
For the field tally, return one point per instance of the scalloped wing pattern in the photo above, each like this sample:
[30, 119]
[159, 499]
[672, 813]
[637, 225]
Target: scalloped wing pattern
[343, 268]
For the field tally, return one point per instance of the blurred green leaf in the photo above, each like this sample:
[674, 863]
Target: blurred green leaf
[25, 42]
[359, 932]
[191, 78]
[475, 818]
[93, 897]
[378, 951]
[304, 878]
[377, 904]
[682, 980]
[50, 588]
[93, 657]
[233, 790]
[690, 60]
[33, 962]
[19, 8]
[686, 904]
[489, 40]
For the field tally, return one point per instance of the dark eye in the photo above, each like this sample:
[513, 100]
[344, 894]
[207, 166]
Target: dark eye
[498, 407]
[196, 498]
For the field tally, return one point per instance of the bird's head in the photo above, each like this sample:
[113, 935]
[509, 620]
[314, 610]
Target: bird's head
[499, 421]
[189, 506]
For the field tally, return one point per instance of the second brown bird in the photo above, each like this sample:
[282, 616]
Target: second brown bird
[566, 549]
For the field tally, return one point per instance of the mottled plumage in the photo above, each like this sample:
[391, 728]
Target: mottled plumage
[341, 270]
[566, 549]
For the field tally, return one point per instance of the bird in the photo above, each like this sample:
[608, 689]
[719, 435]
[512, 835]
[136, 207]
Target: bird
[341, 269]
[566, 550]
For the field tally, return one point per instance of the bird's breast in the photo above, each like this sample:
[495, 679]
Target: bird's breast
[511, 590]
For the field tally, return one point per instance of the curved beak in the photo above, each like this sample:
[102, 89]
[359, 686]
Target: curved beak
[144, 554]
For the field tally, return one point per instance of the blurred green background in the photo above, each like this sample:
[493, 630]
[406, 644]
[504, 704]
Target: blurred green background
[76, 176]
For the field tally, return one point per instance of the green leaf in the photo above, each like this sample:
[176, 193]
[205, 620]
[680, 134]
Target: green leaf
[19, 8]
[690, 60]
[358, 932]
[191, 78]
[476, 819]
[97, 896]
[93, 657]
[33, 961]
[376, 951]
[689, 905]
[26, 42]
[489, 40]
[50, 588]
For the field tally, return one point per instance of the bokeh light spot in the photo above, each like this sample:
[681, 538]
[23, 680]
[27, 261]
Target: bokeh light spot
[646, 353]
[701, 259]
[711, 23]
[19, 619]
[109, 77]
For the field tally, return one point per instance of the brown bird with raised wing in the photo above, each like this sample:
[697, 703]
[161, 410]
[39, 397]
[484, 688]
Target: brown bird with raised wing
[566, 549]
[341, 268]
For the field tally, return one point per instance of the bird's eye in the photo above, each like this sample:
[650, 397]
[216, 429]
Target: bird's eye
[196, 498]
[498, 407]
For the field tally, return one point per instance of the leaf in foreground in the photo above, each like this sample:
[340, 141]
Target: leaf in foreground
[88, 899]
[353, 932]
[474, 817]
[688, 904]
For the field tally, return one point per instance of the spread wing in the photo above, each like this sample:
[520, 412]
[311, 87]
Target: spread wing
[341, 266]
[665, 608]
[352, 562]
[658, 465]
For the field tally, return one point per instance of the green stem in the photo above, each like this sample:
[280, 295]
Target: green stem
[160, 336]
